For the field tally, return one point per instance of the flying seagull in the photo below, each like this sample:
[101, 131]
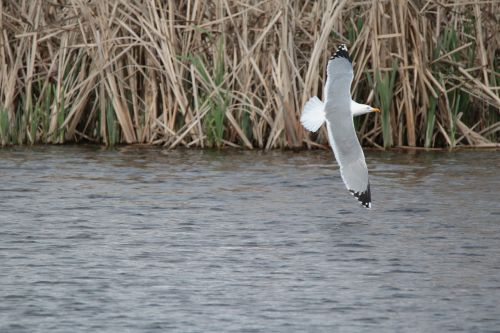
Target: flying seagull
[337, 111]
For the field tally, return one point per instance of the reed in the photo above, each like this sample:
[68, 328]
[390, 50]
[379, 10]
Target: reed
[384, 88]
[4, 127]
[111, 126]
[430, 123]
[235, 73]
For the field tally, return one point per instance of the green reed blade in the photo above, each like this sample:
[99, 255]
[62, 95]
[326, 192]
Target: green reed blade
[431, 119]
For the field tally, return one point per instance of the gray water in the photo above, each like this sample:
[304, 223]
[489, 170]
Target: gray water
[148, 240]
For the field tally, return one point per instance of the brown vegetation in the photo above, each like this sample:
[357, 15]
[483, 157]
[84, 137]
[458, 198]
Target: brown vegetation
[237, 73]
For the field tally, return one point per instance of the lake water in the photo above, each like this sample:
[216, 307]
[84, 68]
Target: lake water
[147, 240]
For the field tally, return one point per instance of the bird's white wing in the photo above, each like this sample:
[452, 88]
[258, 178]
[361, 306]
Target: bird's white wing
[340, 126]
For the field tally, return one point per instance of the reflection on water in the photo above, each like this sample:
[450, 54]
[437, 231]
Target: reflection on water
[140, 239]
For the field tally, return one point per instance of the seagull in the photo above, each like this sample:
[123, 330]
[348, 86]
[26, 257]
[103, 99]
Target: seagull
[337, 111]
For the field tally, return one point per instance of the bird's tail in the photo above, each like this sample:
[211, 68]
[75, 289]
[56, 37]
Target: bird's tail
[314, 114]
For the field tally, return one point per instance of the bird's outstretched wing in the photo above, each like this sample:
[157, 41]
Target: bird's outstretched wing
[340, 126]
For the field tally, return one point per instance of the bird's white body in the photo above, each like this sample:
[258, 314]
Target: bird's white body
[314, 113]
[337, 112]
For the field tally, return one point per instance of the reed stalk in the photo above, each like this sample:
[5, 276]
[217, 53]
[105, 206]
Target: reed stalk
[4, 127]
[111, 126]
[384, 88]
[430, 123]
[235, 73]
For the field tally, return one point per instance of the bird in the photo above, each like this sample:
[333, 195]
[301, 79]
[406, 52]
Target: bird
[337, 111]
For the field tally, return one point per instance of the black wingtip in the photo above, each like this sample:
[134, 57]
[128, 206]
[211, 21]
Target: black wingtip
[365, 198]
[341, 53]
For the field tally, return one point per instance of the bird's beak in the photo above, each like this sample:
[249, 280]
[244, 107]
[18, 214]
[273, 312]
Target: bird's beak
[375, 110]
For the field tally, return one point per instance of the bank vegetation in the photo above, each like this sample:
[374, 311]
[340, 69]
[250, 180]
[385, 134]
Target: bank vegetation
[219, 73]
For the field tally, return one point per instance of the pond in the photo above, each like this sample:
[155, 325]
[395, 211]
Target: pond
[144, 239]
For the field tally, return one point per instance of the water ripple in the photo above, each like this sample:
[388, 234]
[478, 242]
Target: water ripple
[136, 239]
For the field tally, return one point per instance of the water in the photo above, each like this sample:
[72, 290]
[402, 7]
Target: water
[147, 240]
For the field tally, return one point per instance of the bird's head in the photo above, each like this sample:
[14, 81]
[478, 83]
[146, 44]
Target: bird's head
[359, 109]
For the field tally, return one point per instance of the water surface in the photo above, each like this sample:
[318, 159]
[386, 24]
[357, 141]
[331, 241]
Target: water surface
[148, 240]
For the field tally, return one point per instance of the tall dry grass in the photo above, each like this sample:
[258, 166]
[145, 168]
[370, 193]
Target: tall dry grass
[237, 73]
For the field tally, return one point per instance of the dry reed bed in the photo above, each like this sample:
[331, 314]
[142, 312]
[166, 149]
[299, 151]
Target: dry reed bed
[237, 73]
